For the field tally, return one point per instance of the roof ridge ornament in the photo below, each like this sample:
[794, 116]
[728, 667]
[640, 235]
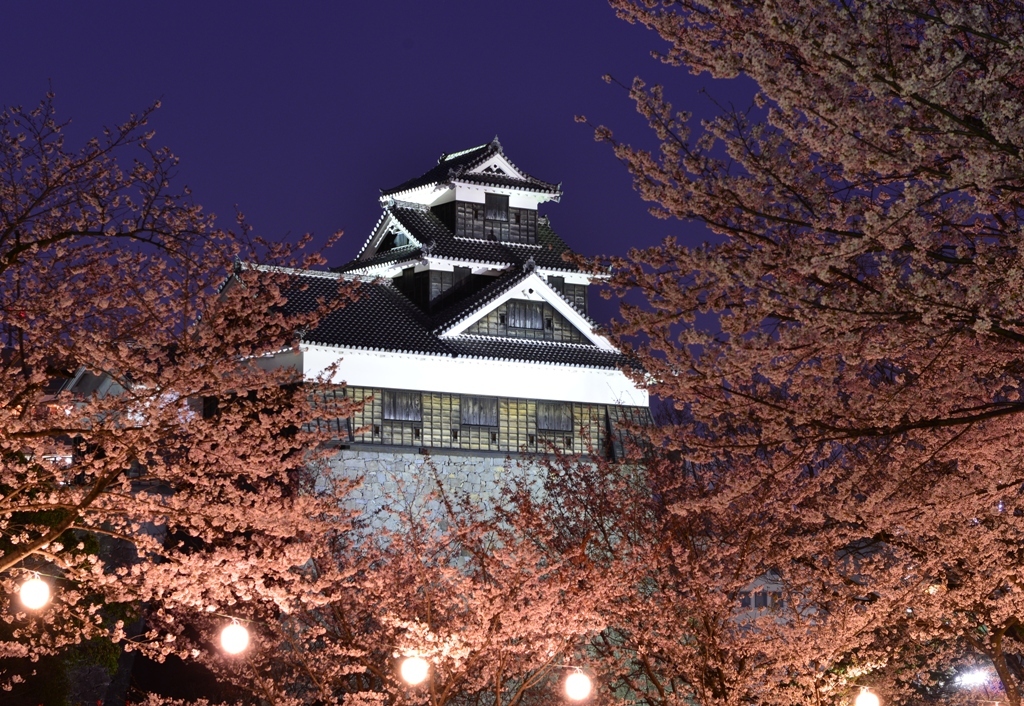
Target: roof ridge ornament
[496, 142]
[529, 265]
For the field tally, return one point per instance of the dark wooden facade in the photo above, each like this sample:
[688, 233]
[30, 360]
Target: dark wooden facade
[485, 222]
[432, 290]
[575, 293]
[538, 321]
[518, 425]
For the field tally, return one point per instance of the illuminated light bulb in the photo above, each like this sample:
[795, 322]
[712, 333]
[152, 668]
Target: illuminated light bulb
[414, 670]
[34, 593]
[577, 686]
[234, 638]
[866, 698]
[973, 678]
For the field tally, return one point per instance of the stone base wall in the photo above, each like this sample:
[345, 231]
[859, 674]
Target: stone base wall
[400, 480]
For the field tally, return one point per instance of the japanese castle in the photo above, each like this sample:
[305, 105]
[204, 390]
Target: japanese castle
[471, 332]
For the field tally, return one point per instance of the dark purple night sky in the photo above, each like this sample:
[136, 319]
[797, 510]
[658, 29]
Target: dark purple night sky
[299, 112]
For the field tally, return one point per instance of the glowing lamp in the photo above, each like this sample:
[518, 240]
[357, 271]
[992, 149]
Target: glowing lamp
[234, 638]
[34, 593]
[866, 698]
[578, 686]
[414, 670]
[973, 678]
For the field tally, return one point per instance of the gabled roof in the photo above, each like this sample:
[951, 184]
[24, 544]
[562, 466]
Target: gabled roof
[382, 318]
[422, 226]
[466, 313]
[460, 166]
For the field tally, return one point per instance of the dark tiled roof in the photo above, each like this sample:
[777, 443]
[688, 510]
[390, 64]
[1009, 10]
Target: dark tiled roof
[445, 166]
[530, 184]
[542, 351]
[382, 318]
[406, 252]
[456, 166]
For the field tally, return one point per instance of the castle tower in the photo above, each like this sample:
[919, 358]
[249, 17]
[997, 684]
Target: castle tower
[471, 337]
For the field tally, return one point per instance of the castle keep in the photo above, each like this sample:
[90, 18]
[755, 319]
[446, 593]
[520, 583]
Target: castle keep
[471, 337]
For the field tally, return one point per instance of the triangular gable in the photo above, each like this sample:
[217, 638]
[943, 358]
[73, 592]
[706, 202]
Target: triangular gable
[498, 165]
[384, 235]
[531, 288]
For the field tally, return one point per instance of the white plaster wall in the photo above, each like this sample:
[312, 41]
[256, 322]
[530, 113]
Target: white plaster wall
[475, 193]
[473, 376]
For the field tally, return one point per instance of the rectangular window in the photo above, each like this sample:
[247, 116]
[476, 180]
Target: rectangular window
[480, 411]
[496, 207]
[522, 314]
[577, 294]
[554, 416]
[400, 405]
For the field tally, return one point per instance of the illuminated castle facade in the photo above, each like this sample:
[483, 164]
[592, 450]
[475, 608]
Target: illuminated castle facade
[471, 337]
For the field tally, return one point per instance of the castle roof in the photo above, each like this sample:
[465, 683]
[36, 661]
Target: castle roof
[445, 290]
[382, 318]
[467, 166]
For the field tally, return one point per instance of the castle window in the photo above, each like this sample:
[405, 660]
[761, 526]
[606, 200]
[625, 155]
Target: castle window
[525, 314]
[394, 239]
[555, 416]
[495, 207]
[399, 405]
[480, 411]
[496, 222]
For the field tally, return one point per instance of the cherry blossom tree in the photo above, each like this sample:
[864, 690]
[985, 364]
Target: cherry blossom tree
[168, 438]
[500, 615]
[845, 357]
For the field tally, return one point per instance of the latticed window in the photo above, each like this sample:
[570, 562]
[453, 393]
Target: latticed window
[402, 405]
[554, 416]
[480, 411]
[520, 314]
